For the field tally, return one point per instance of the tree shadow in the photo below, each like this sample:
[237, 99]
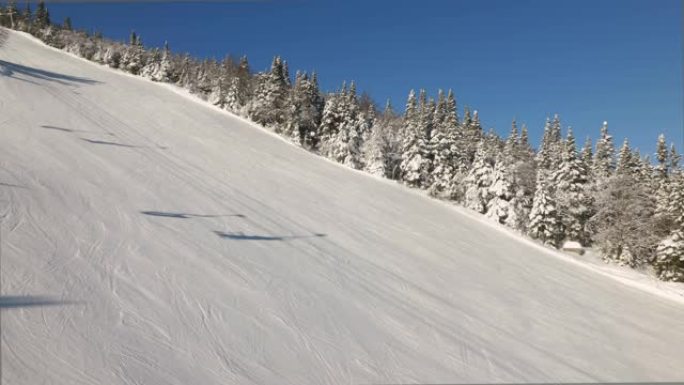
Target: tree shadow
[167, 214]
[11, 185]
[10, 69]
[9, 302]
[239, 236]
[62, 129]
[104, 142]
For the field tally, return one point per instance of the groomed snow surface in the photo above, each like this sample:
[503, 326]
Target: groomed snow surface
[149, 239]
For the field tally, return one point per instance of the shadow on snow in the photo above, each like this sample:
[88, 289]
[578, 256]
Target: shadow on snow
[239, 236]
[9, 302]
[167, 214]
[10, 69]
[95, 141]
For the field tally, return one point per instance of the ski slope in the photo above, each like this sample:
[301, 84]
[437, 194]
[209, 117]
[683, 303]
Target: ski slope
[152, 239]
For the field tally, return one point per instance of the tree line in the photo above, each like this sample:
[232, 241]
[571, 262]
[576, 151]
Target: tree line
[625, 204]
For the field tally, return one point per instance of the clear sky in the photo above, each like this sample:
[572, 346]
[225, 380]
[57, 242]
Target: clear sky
[588, 60]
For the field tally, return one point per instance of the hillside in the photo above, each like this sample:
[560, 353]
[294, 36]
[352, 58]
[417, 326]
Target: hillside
[177, 244]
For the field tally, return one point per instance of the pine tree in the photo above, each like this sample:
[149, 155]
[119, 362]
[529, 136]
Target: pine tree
[669, 262]
[443, 146]
[67, 24]
[662, 187]
[42, 15]
[502, 192]
[544, 222]
[268, 107]
[587, 158]
[382, 149]
[624, 162]
[304, 114]
[330, 122]
[570, 190]
[27, 18]
[549, 155]
[604, 158]
[522, 170]
[479, 180]
[415, 163]
[674, 158]
[472, 134]
[345, 145]
[132, 60]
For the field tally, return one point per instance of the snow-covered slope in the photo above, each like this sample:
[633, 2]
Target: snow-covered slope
[190, 247]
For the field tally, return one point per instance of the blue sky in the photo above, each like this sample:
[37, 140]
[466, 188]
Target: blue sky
[589, 61]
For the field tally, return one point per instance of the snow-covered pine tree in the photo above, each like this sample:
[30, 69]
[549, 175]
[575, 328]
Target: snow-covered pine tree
[165, 72]
[669, 262]
[550, 152]
[544, 222]
[238, 91]
[268, 107]
[415, 164]
[42, 18]
[152, 65]
[604, 157]
[480, 179]
[472, 133]
[443, 143]
[624, 161]
[219, 87]
[522, 170]
[330, 122]
[382, 149]
[304, 114]
[674, 158]
[587, 158]
[662, 180]
[502, 191]
[133, 60]
[570, 190]
[345, 145]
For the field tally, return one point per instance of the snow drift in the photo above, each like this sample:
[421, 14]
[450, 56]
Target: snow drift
[149, 239]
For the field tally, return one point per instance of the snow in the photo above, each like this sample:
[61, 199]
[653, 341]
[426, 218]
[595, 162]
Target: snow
[572, 245]
[177, 244]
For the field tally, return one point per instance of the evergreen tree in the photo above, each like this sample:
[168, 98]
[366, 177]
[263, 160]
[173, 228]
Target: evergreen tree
[304, 114]
[662, 185]
[603, 164]
[570, 190]
[443, 146]
[587, 158]
[67, 24]
[502, 192]
[624, 162]
[42, 15]
[549, 155]
[669, 263]
[544, 222]
[345, 145]
[330, 122]
[415, 163]
[269, 105]
[132, 59]
[479, 181]
[384, 145]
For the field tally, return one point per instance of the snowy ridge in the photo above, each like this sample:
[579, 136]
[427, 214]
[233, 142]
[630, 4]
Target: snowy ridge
[198, 249]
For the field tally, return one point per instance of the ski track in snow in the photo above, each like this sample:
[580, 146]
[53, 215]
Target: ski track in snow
[200, 249]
